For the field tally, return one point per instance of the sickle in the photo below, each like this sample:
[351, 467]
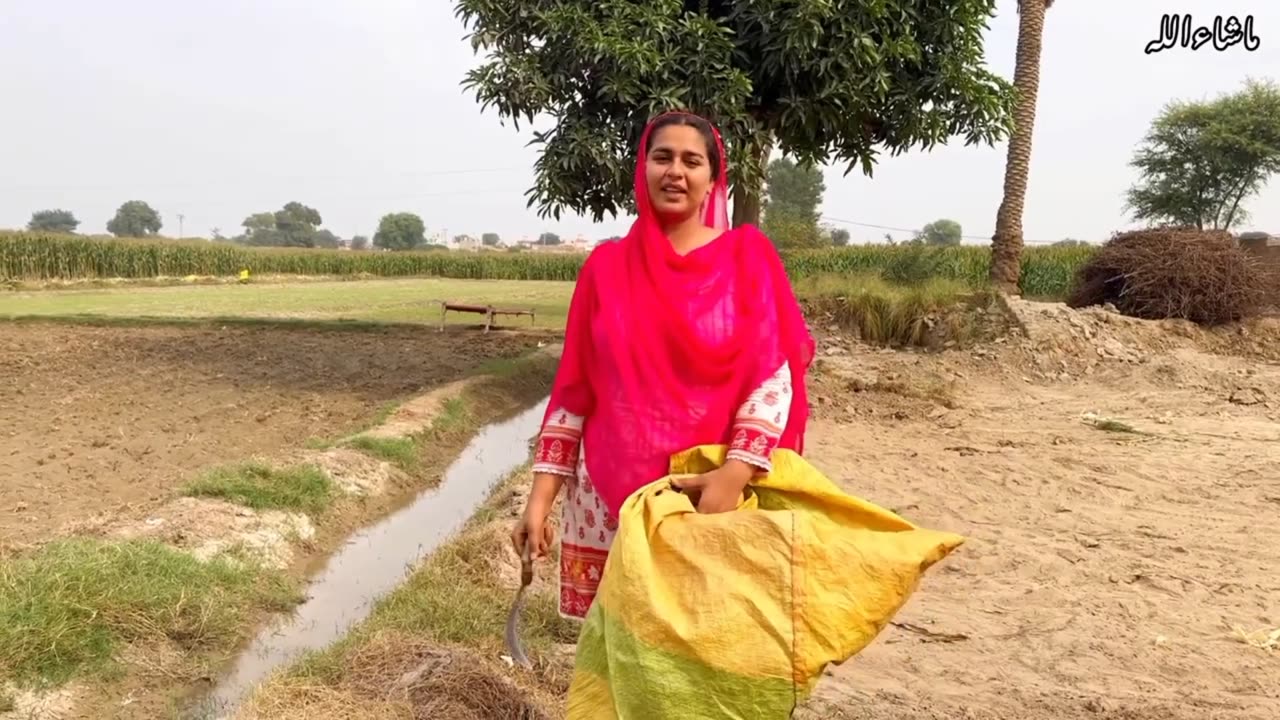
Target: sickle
[513, 619]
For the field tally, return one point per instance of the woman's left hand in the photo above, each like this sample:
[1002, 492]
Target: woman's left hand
[721, 489]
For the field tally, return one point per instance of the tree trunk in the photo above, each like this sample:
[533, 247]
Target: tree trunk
[746, 199]
[1006, 243]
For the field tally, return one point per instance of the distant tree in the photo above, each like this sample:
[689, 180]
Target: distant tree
[359, 242]
[794, 190]
[888, 237]
[490, 239]
[839, 237]
[941, 232]
[135, 219]
[54, 221]
[1070, 242]
[1201, 159]
[548, 238]
[400, 231]
[839, 80]
[326, 239]
[294, 225]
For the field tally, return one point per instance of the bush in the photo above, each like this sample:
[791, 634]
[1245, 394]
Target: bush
[1199, 275]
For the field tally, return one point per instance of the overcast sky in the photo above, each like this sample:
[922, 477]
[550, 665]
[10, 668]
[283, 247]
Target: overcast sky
[218, 109]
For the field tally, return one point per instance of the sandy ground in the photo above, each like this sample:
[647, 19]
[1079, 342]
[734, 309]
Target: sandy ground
[110, 421]
[1105, 572]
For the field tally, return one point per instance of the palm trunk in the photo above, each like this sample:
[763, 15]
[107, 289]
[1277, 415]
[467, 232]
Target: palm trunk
[1006, 243]
[746, 198]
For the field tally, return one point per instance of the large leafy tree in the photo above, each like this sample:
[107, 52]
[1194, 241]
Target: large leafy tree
[1201, 160]
[135, 219]
[294, 225]
[822, 80]
[1007, 241]
[55, 221]
[400, 231]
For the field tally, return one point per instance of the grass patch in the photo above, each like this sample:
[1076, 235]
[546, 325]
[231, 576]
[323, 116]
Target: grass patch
[260, 487]
[932, 312]
[400, 451]
[456, 415]
[66, 609]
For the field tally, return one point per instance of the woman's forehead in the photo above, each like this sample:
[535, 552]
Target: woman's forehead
[679, 137]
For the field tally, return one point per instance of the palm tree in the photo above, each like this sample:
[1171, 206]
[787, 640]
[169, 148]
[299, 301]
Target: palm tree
[1006, 243]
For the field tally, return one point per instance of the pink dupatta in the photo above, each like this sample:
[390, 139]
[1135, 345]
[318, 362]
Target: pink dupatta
[662, 348]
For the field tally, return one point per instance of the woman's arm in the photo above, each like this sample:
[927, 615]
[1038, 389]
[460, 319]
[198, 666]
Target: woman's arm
[758, 426]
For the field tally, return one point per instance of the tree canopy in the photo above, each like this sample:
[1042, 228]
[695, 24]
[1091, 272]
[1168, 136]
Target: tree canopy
[55, 221]
[793, 190]
[1201, 160]
[294, 225]
[135, 219]
[400, 231]
[490, 239]
[842, 81]
[940, 232]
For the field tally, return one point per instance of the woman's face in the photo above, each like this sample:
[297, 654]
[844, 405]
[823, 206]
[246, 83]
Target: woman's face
[678, 171]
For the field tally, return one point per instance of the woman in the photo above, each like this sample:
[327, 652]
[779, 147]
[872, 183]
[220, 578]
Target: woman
[683, 333]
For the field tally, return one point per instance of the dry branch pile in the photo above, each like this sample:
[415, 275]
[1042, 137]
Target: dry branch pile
[1197, 275]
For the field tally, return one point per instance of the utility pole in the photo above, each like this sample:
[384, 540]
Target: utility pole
[181, 217]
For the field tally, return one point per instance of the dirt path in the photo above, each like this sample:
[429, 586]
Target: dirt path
[1105, 571]
[110, 421]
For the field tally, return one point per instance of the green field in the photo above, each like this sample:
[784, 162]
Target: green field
[34, 257]
[386, 301]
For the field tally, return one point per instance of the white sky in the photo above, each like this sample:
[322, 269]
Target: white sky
[220, 109]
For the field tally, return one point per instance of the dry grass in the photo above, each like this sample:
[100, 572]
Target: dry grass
[1198, 275]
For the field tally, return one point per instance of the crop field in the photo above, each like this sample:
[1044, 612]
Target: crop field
[1047, 271]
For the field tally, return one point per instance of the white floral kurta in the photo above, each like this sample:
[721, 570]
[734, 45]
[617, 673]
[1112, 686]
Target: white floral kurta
[588, 527]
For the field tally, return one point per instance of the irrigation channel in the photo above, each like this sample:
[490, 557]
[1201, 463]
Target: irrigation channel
[375, 560]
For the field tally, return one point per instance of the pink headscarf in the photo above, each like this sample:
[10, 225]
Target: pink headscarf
[662, 348]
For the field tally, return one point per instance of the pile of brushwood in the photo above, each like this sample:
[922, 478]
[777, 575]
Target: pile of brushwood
[1199, 275]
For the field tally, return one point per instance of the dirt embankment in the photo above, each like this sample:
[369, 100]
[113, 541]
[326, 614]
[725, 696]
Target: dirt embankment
[102, 423]
[1118, 481]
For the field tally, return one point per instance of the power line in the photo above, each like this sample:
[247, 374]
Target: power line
[917, 230]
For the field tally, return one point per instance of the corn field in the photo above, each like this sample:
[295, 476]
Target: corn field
[1046, 272]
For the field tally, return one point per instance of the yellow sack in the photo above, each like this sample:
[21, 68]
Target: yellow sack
[735, 615]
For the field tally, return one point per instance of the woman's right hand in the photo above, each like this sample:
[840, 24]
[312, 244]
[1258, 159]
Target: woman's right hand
[533, 528]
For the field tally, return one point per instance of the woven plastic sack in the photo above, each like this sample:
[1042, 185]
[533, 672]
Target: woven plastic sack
[735, 615]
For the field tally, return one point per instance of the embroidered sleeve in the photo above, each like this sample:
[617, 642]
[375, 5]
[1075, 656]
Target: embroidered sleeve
[558, 444]
[761, 419]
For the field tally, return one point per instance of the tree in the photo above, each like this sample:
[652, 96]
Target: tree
[295, 225]
[135, 219]
[54, 221]
[1200, 160]
[840, 80]
[1006, 242]
[839, 237]
[941, 232]
[400, 231]
[548, 238]
[1070, 242]
[490, 239]
[359, 242]
[795, 190]
[326, 239]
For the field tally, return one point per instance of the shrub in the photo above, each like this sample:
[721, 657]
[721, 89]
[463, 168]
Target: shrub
[1199, 275]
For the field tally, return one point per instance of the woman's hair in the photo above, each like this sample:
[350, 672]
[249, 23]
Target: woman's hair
[701, 125]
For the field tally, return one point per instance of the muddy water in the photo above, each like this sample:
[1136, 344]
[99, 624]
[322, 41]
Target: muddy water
[376, 559]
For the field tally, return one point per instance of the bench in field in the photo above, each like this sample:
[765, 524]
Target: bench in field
[490, 312]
